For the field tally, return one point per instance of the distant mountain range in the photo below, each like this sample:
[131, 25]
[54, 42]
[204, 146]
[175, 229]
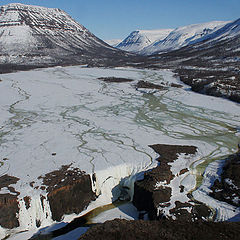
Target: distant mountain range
[211, 65]
[183, 36]
[165, 40]
[218, 48]
[32, 36]
[39, 36]
[204, 56]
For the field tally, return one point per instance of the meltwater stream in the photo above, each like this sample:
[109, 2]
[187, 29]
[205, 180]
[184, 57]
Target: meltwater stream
[105, 128]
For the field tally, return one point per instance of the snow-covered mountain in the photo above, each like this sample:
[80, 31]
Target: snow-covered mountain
[35, 35]
[228, 31]
[183, 36]
[221, 45]
[113, 42]
[137, 40]
[210, 65]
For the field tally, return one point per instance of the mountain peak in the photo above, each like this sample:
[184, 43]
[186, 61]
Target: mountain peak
[15, 14]
[20, 6]
[139, 39]
[34, 35]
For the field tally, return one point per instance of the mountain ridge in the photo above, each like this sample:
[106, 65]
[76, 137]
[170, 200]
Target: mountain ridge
[183, 36]
[39, 36]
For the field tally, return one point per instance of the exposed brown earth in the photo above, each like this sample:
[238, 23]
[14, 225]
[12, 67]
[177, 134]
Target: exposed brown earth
[115, 79]
[176, 85]
[183, 171]
[7, 180]
[9, 209]
[148, 197]
[69, 190]
[27, 201]
[145, 84]
[164, 230]
[198, 212]
[9, 68]
[169, 153]
[228, 188]
[8, 203]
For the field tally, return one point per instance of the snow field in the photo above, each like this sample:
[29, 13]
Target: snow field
[103, 128]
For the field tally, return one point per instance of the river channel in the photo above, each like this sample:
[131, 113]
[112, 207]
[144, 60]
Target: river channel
[105, 128]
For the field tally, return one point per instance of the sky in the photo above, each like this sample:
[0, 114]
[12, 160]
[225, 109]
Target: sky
[115, 19]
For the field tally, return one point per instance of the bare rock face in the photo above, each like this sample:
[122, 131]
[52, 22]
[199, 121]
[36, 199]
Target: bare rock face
[69, 191]
[8, 203]
[148, 196]
[9, 209]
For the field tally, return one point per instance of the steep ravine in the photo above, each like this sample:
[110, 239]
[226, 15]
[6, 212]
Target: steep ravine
[153, 193]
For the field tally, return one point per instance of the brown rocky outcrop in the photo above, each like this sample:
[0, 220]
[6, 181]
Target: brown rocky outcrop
[190, 211]
[145, 84]
[164, 230]
[27, 201]
[8, 211]
[148, 197]
[183, 171]
[8, 203]
[169, 153]
[69, 191]
[115, 79]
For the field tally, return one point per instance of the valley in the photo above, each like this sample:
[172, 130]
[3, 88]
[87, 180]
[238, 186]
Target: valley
[141, 136]
[104, 129]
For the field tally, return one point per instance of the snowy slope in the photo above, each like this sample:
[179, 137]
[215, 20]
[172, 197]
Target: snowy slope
[35, 35]
[183, 36]
[228, 31]
[220, 48]
[113, 42]
[139, 39]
